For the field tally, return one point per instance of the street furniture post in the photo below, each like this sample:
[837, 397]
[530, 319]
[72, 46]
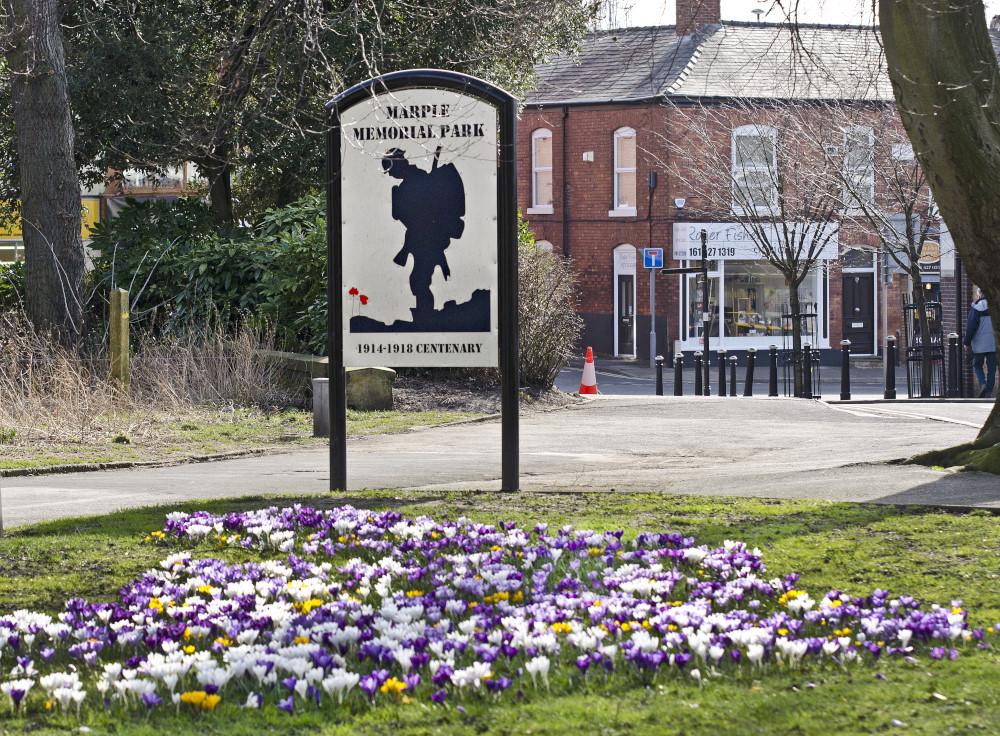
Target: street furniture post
[732, 375]
[772, 380]
[890, 368]
[751, 359]
[845, 370]
[659, 375]
[706, 316]
[807, 379]
[119, 348]
[678, 375]
[953, 362]
[722, 373]
[697, 373]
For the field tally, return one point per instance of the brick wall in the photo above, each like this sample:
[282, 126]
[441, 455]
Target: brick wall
[693, 13]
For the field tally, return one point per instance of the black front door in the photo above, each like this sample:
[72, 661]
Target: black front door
[626, 315]
[859, 312]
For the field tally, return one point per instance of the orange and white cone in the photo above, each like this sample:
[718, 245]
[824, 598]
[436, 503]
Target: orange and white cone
[588, 383]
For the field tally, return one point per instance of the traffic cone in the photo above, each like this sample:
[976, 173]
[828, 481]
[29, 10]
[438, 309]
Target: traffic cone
[588, 383]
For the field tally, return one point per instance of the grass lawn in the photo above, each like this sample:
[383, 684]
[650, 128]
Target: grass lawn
[932, 555]
[159, 436]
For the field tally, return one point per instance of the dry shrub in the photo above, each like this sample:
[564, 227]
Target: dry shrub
[53, 393]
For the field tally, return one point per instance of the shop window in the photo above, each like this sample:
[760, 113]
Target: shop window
[755, 169]
[625, 173]
[859, 167]
[694, 295]
[541, 171]
[756, 301]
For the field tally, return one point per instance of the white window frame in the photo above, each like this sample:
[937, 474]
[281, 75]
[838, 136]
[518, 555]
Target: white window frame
[537, 208]
[870, 171]
[618, 209]
[755, 131]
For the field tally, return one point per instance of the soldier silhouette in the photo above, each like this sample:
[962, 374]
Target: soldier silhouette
[431, 205]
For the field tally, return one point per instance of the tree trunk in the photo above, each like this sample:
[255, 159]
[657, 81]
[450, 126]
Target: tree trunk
[945, 77]
[793, 303]
[50, 188]
[922, 324]
[220, 192]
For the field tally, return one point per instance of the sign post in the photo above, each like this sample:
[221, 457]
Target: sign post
[422, 237]
[652, 261]
[706, 315]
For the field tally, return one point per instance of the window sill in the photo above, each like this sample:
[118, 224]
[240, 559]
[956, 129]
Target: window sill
[623, 212]
[540, 210]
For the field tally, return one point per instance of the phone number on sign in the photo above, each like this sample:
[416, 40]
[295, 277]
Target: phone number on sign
[713, 252]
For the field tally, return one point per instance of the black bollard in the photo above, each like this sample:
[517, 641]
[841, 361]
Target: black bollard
[732, 375]
[722, 372]
[890, 368]
[772, 380]
[845, 370]
[751, 358]
[953, 361]
[807, 373]
[697, 373]
[659, 375]
[678, 375]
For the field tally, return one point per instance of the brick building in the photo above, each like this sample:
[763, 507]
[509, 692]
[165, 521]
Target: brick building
[597, 182]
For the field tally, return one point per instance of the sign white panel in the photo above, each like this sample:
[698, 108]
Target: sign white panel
[731, 241]
[419, 222]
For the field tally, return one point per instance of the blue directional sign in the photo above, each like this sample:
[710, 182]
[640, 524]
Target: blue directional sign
[652, 257]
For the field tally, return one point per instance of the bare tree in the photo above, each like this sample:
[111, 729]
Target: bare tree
[882, 190]
[944, 72]
[746, 162]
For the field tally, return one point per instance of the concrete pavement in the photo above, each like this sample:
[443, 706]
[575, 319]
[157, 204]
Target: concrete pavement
[760, 447]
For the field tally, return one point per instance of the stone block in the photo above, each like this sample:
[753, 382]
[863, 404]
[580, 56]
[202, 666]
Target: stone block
[368, 389]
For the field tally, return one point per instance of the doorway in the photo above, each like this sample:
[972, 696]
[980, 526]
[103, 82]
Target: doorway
[859, 312]
[624, 301]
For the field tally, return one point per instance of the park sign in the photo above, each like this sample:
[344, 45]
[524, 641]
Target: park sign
[418, 174]
[422, 233]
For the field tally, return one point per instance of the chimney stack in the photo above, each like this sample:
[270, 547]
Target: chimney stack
[694, 13]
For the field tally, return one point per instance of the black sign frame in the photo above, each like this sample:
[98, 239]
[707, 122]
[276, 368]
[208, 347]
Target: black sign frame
[509, 347]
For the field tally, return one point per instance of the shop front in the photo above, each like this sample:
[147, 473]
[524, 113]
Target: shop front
[748, 297]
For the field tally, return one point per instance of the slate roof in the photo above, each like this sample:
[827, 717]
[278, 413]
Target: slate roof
[730, 59]
[620, 65]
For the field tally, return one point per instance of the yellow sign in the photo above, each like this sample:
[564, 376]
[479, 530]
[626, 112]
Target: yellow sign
[90, 215]
[930, 252]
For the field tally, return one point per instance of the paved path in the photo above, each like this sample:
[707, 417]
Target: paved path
[750, 447]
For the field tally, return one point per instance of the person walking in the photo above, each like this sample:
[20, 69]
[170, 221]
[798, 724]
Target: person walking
[979, 337]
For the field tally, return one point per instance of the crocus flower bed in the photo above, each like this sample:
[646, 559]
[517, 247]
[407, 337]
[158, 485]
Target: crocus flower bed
[349, 608]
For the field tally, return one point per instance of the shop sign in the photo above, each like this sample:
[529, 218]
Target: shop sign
[731, 241]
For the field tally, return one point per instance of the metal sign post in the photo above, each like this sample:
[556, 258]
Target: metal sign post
[706, 316]
[652, 260]
[422, 237]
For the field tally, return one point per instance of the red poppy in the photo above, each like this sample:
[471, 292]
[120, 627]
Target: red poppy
[364, 299]
[353, 291]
